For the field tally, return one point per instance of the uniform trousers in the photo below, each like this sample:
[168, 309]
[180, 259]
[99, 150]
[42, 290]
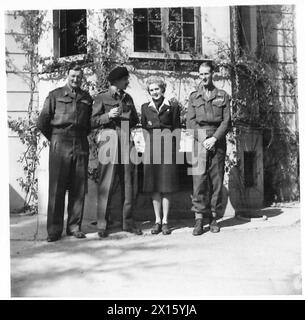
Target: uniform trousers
[208, 181]
[68, 167]
[115, 145]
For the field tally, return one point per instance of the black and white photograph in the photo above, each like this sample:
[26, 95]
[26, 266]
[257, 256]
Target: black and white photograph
[152, 151]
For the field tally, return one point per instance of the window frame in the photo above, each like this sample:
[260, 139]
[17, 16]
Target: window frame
[56, 38]
[168, 54]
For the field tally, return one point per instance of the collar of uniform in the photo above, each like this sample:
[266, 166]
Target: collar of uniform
[164, 103]
[115, 92]
[201, 92]
[212, 94]
[68, 91]
[78, 95]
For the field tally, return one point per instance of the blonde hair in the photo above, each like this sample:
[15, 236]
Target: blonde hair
[156, 80]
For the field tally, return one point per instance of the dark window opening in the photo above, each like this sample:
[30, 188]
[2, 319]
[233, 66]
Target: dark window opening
[244, 28]
[147, 29]
[249, 168]
[70, 33]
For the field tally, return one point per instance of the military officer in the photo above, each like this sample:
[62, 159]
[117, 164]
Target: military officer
[65, 122]
[209, 117]
[113, 109]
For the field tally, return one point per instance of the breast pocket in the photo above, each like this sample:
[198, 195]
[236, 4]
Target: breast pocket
[83, 107]
[218, 105]
[201, 112]
[126, 106]
[85, 103]
[63, 105]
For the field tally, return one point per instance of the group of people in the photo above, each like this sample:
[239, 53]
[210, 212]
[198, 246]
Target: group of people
[68, 116]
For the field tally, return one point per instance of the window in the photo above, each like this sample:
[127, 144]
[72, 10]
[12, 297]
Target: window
[249, 168]
[247, 28]
[166, 29]
[70, 32]
[181, 29]
[147, 29]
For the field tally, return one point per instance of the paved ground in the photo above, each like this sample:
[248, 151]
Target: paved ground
[245, 258]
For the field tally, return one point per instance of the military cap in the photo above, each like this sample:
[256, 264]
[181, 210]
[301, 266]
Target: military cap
[117, 73]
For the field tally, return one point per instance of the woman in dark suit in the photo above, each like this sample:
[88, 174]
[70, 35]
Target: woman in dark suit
[159, 119]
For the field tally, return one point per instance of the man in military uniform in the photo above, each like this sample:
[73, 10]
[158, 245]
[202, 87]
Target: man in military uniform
[113, 109]
[65, 122]
[209, 117]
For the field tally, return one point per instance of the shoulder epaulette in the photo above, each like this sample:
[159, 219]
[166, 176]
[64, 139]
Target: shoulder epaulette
[56, 89]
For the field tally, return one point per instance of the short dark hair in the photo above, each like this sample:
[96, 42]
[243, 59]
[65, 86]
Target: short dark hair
[75, 66]
[209, 64]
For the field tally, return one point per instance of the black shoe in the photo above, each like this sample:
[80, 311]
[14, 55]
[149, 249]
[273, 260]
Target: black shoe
[156, 228]
[53, 238]
[198, 228]
[214, 227]
[77, 234]
[165, 229]
[102, 233]
[134, 230]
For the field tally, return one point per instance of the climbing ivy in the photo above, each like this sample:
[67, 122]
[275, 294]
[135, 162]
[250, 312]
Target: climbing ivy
[103, 53]
[32, 26]
[254, 99]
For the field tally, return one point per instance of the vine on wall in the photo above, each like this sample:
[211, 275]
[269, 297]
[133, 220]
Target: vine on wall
[253, 100]
[32, 26]
[103, 53]
[256, 104]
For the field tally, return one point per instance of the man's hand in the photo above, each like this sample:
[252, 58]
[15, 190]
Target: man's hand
[209, 143]
[114, 113]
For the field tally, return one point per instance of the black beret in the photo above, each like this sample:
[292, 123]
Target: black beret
[117, 73]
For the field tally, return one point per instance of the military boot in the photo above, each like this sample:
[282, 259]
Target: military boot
[214, 226]
[198, 228]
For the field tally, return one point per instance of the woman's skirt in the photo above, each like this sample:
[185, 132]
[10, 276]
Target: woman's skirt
[160, 169]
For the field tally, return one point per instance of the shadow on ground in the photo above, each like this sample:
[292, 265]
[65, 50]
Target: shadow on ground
[71, 265]
[34, 227]
[71, 258]
[234, 221]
